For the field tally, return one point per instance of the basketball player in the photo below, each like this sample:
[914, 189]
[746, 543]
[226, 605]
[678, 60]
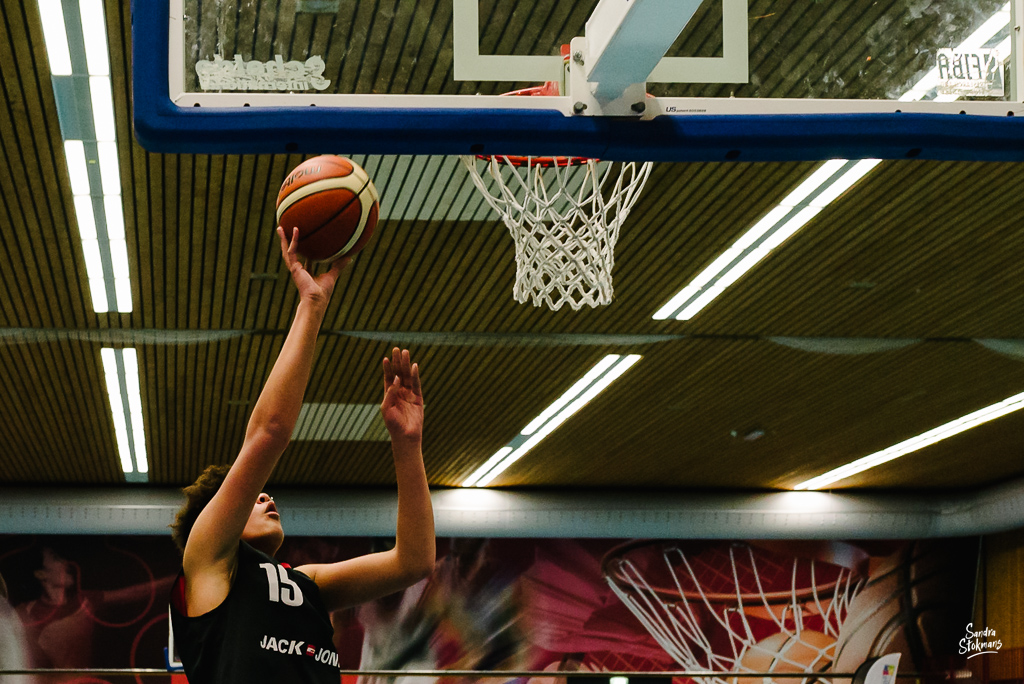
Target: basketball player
[240, 616]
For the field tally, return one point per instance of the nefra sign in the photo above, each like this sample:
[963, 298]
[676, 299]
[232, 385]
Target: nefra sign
[973, 73]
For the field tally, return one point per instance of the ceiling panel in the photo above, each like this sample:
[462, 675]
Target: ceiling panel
[927, 251]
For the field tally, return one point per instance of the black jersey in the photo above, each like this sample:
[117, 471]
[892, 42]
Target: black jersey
[272, 627]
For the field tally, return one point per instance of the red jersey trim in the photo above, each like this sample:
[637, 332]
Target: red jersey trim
[178, 594]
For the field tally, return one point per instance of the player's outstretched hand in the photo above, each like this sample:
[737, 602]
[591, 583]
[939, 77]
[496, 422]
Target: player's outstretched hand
[316, 288]
[402, 407]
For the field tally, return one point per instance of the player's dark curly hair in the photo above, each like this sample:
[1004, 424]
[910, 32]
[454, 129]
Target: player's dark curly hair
[197, 495]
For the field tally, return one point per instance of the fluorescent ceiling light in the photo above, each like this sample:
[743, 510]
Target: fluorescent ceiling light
[820, 176]
[123, 294]
[121, 372]
[971, 420]
[56, 37]
[844, 183]
[98, 291]
[117, 408]
[569, 394]
[498, 456]
[78, 170]
[131, 373]
[575, 398]
[827, 183]
[110, 174]
[721, 263]
[102, 108]
[85, 217]
[107, 265]
[749, 260]
[113, 213]
[94, 30]
[93, 260]
[119, 258]
[117, 248]
[795, 210]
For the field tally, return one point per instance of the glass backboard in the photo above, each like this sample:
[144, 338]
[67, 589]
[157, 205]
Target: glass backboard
[723, 79]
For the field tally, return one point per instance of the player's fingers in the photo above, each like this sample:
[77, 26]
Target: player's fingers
[396, 361]
[284, 243]
[407, 363]
[294, 245]
[388, 374]
[416, 379]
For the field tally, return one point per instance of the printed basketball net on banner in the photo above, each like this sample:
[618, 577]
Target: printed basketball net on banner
[738, 607]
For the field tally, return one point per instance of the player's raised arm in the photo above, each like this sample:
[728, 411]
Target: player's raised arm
[210, 553]
[367, 577]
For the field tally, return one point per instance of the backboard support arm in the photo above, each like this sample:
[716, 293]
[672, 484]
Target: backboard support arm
[1017, 50]
[627, 38]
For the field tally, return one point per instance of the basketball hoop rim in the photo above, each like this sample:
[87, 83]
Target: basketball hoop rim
[671, 594]
[547, 90]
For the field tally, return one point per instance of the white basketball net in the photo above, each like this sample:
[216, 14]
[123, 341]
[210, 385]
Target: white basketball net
[565, 224]
[680, 626]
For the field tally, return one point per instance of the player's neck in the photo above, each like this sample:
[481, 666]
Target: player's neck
[267, 544]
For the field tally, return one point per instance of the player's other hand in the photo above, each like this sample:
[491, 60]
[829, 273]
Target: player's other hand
[402, 407]
[317, 289]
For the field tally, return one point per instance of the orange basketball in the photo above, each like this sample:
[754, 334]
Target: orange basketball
[781, 652]
[915, 604]
[333, 203]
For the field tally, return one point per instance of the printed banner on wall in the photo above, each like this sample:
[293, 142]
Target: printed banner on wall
[533, 604]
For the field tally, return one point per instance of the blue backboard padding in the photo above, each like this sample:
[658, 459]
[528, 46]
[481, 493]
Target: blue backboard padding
[161, 126]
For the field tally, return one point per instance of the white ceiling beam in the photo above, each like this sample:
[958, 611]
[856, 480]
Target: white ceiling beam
[503, 513]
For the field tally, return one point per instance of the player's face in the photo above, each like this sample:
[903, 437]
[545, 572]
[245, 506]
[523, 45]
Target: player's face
[263, 529]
